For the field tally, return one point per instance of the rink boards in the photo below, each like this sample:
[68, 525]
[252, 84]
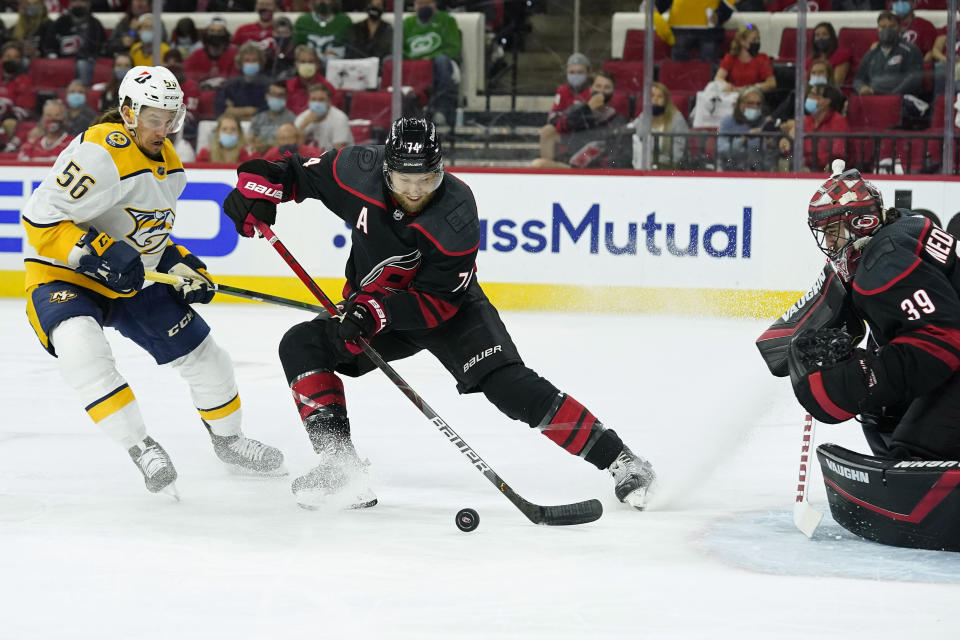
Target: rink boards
[705, 243]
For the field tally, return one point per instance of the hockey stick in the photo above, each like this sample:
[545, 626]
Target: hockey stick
[805, 517]
[169, 278]
[576, 513]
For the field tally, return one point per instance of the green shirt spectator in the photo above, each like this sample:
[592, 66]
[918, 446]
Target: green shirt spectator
[430, 33]
[323, 30]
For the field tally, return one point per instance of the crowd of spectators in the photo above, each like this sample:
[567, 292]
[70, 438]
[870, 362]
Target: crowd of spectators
[263, 87]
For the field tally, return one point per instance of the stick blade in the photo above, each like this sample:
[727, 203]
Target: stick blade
[563, 514]
[806, 518]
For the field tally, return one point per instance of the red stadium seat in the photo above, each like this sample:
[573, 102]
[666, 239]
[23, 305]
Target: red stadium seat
[415, 73]
[206, 111]
[858, 41]
[51, 74]
[103, 70]
[788, 44]
[685, 76]
[873, 113]
[634, 43]
[361, 134]
[620, 102]
[373, 106]
[627, 75]
[93, 99]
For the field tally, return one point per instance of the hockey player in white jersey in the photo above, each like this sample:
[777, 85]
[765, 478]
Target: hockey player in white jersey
[102, 215]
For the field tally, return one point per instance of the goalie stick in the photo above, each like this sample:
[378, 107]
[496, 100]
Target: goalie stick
[169, 278]
[563, 514]
[805, 517]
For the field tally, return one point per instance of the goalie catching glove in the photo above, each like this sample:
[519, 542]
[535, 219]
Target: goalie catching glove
[259, 190]
[832, 379]
[364, 316]
[116, 265]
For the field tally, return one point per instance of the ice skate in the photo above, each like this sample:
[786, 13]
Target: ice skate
[154, 463]
[340, 481]
[634, 478]
[247, 456]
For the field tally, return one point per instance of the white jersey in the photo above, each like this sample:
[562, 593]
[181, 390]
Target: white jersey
[101, 180]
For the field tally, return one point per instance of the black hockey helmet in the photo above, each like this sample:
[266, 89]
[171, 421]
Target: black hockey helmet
[843, 213]
[413, 146]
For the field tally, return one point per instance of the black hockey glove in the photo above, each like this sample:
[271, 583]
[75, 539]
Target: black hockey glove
[115, 264]
[199, 288]
[830, 377]
[364, 316]
[259, 190]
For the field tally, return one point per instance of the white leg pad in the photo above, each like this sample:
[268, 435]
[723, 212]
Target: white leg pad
[87, 364]
[209, 372]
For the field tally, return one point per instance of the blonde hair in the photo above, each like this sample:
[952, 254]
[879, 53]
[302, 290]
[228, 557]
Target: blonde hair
[669, 109]
[218, 153]
[26, 27]
[737, 45]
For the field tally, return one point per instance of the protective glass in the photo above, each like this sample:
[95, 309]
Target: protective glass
[413, 184]
[154, 118]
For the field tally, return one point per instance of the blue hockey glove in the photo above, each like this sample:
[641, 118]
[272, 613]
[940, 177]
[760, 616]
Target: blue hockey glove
[117, 265]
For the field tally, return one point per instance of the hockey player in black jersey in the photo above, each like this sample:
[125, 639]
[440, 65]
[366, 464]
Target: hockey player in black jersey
[900, 276]
[410, 286]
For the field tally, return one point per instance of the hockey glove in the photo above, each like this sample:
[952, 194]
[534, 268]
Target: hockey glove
[259, 191]
[831, 379]
[199, 288]
[115, 264]
[364, 316]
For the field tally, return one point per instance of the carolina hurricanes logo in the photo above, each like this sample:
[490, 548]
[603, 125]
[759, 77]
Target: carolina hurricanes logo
[150, 228]
[865, 223]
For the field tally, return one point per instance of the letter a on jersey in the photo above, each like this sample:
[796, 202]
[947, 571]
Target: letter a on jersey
[362, 220]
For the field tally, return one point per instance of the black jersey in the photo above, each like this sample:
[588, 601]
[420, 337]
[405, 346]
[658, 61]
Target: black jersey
[906, 288]
[421, 265]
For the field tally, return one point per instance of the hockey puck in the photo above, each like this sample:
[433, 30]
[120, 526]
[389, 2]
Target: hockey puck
[467, 520]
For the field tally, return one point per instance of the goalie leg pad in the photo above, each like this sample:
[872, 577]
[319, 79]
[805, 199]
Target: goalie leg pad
[208, 371]
[87, 364]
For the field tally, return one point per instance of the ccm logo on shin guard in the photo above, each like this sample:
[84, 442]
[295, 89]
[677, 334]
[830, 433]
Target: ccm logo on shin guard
[480, 356]
[175, 329]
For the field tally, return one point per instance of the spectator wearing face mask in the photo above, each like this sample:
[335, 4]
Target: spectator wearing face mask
[283, 66]
[263, 127]
[914, 29]
[173, 60]
[17, 97]
[109, 98]
[288, 141]
[745, 65]
[371, 38]
[308, 74]
[216, 60]
[260, 32]
[142, 51]
[824, 114]
[664, 118]
[433, 35]
[893, 66]
[323, 29]
[226, 146]
[738, 151]
[819, 74]
[186, 38]
[54, 138]
[585, 122]
[243, 96]
[31, 27]
[125, 33]
[576, 89]
[79, 113]
[323, 125]
[827, 48]
[76, 34]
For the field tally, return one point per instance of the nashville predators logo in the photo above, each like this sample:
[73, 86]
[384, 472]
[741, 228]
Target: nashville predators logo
[118, 140]
[63, 295]
[150, 228]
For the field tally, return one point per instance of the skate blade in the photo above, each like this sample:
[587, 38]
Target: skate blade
[325, 501]
[238, 470]
[171, 490]
[638, 498]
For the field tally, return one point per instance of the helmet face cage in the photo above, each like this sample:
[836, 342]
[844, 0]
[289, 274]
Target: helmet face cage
[413, 146]
[845, 209]
[155, 87]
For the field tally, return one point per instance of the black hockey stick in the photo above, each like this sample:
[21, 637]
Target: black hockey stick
[576, 513]
[169, 278]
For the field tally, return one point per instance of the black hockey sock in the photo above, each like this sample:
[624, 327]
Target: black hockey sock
[573, 427]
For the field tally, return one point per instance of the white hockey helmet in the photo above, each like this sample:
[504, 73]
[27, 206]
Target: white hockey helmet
[153, 87]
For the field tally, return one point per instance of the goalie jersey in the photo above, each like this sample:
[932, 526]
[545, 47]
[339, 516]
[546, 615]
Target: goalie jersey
[101, 180]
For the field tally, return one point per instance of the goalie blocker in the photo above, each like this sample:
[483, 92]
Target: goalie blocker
[902, 503]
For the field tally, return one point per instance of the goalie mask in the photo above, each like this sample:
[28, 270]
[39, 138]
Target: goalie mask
[844, 213]
[155, 87]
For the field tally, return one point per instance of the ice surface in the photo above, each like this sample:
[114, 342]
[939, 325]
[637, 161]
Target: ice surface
[86, 552]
